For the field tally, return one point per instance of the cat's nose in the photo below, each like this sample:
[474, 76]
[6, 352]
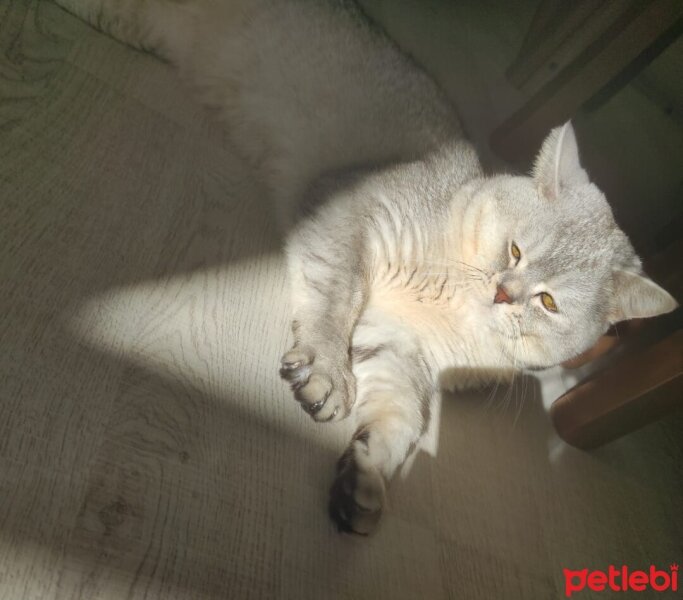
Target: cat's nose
[502, 296]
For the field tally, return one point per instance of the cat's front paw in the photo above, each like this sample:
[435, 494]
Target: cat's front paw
[325, 388]
[356, 497]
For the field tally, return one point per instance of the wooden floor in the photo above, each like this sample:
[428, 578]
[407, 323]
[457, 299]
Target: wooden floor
[147, 447]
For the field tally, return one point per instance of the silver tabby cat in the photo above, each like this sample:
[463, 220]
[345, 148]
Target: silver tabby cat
[406, 261]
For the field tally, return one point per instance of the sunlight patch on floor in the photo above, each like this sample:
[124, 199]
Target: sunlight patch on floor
[222, 329]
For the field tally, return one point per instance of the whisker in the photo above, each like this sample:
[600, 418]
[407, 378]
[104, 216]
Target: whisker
[452, 262]
[469, 266]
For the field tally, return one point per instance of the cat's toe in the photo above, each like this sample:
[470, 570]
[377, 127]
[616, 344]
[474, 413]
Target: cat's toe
[356, 499]
[295, 366]
[325, 391]
[320, 398]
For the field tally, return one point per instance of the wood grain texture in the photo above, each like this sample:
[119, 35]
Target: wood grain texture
[147, 447]
[631, 393]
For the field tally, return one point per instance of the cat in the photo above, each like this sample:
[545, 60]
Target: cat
[406, 260]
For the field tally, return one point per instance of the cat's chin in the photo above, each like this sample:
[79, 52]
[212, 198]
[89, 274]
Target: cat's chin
[520, 356]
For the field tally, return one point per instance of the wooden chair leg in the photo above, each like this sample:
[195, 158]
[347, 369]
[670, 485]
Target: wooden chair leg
[635, 391]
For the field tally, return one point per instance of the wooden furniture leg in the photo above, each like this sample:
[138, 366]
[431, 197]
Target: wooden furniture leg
[633, 392]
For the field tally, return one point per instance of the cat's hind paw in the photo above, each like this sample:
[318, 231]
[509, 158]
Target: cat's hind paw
[324, 393]
[356, 497]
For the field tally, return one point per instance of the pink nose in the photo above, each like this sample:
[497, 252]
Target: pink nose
[501, 296]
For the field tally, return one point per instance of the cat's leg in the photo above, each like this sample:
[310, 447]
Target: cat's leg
[329, 289]
[395, 392]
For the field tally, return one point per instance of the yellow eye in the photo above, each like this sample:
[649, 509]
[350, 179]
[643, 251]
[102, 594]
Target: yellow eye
[548, 302]
[516, 253]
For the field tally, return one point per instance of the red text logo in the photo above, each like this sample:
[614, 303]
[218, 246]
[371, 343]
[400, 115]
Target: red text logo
[621, 580]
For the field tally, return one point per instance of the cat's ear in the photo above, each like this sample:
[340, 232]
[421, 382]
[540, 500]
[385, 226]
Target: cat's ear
[638, 297]
[557, 165]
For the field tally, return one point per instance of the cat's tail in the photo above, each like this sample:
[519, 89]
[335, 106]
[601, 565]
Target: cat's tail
[159, 26]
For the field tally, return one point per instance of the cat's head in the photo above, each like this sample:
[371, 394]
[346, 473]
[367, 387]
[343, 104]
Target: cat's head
[559, 269]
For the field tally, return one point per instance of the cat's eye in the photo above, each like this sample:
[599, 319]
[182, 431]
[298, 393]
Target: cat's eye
[515, 251]
[548, 302]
